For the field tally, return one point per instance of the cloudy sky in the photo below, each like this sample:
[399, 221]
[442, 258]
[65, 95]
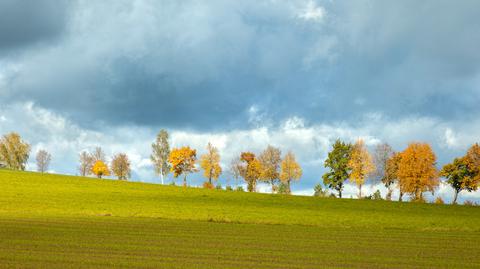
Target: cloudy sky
[240, 74]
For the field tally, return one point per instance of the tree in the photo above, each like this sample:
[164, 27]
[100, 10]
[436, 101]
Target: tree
[235, 169]
[251, 170]
[14, 151]
[121, 166]
[99, 155]
[391, 175]
[182, 162]
[360, 164]
[337, 162]
[86, 163]
[43, 160]
[291, 170]
[160, 154]
[460, 176]
[383, 153]
[319, 191]
[270, 160]
[416, 170]
[100, 169]
[210, 162]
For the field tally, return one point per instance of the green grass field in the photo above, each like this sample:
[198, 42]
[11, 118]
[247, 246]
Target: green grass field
[54, 221]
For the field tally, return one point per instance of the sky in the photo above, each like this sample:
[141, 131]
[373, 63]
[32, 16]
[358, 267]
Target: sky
[240, 74]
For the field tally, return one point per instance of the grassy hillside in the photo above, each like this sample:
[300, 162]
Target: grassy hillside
[57, 221]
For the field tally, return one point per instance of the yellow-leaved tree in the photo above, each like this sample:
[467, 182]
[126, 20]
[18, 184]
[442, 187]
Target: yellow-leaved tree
[250, 170]
[14, 151]
[121, 166]
[361, 165]
[416, 170]
[100, 169]
[290, 170]
[210, 163]
[183, 162]
[270, 160]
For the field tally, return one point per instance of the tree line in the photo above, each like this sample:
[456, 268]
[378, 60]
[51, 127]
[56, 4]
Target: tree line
[412, 171]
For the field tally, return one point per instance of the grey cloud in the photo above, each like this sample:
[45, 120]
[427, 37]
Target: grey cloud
[29, 22]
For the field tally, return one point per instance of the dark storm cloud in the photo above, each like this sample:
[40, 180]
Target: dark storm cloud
[203, 65]
[27, 22]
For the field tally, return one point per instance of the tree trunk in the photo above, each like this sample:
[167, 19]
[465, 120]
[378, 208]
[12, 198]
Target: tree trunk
[185, 180]
[339, 193]
[455, 197]
[161, 177]
[388, 196]
[400, 196]
[360, 191]
[273, 185]
[210, 180]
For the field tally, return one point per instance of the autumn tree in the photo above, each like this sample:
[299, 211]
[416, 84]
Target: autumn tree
[270, 160]
[160, 154]
[360, 164]
[121, 166]
[182, 162]
[210, 163]
[416, 170]
[86, 163]
[100, 169]
[43, 160]
[291, 170]
[235, 169]
[383, 153]
[460, 176]
[391, 175]
[337, 163]
[250, 170]
[14, 151]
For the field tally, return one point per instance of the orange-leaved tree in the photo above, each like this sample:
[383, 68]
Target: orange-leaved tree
[183, 162]
[250, 170]
[361, 165]
[416, 170]
[100, 169]
[210, 163]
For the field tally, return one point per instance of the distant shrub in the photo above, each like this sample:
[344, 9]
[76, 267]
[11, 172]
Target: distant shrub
[239, 188]
[439, 201]
[332, 195]
[469, 203]
[218, 187]
[283, 189]
[172, 183]
[208, 185]
[229, 188]
[319, 191]
[418, 200]
[377, 195]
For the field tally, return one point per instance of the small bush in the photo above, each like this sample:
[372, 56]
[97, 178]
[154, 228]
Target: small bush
[229, 188]
[239, 188]
[218, 187]
[208, 185]
[172, 183]
[439, 201]
[469, 203]
[319, 191]
[332, 195]
[283, 189]
[377, 195]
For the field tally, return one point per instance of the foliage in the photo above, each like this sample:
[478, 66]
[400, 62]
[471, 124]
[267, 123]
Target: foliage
[461, 176]
[377, 195]
[416, 170]
[391, 175]
[360, 165]
[291, 170]
[210, 162]
[182, 162]
[43, 159]
[121, 166]
[229, 188]
[208, 185]
[250, 170]
[283, 188]
[270, 160]
[218, 187]
[239, 188]
[160, 154]
[439, 201]
[100, 169]
[337, 163]
[86, 163]
[320, 192]
[14, 151]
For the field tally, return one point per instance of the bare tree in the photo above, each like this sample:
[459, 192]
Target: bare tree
[43, 160]
[235, 169]
[99, 155]
[86, 163]
[383, 153]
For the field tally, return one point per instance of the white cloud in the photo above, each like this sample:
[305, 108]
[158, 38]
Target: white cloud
[312, 12]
